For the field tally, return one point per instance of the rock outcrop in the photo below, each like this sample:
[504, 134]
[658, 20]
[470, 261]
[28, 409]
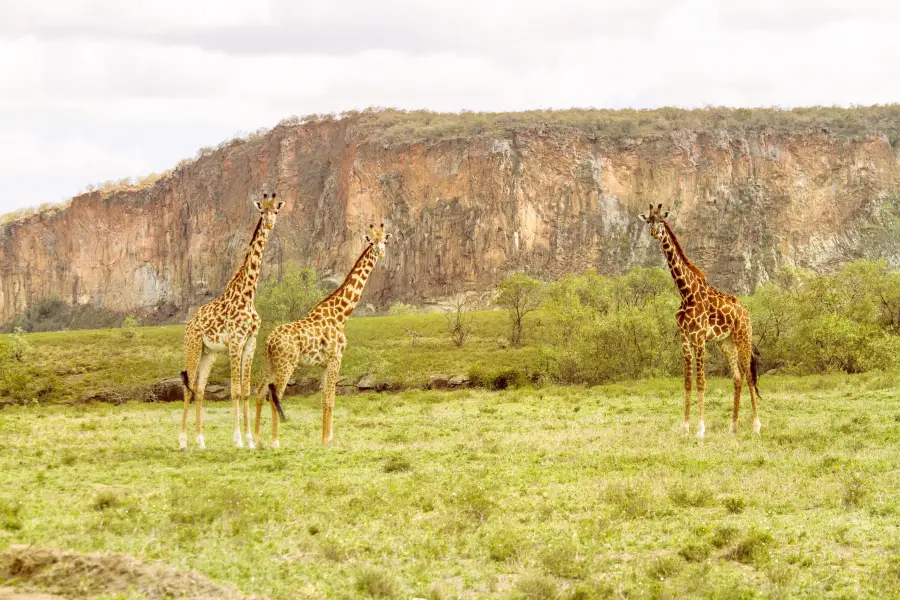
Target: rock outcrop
[464, 211]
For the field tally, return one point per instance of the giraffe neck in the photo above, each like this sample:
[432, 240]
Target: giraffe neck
[343, 300]
[243, 284]
[685, 274]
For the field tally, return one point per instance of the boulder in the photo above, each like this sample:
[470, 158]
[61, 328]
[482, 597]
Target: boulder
[167, 390]
[458, 381]
[367, 382]
[438, 381]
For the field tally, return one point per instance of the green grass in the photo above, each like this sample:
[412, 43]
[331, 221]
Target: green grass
[529, 493]
[68, 365]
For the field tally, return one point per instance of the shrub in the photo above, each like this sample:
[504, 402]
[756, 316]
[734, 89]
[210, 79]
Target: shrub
[458, 323]
[602, 329]
[14, 347]
[519, 295]
[129, 327]
[291, 297]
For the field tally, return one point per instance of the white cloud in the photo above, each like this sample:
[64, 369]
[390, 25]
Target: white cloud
[26, 155]
[198, 68]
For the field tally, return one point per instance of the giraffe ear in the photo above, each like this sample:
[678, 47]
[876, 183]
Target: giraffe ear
[644, 219]
[258, 205]
[279, 204]
[388, 236]
[368, 240]
[666, 215]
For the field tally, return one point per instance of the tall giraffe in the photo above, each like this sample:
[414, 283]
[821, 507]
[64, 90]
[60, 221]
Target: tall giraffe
[706, 314]
[228, 323]
[317, 339]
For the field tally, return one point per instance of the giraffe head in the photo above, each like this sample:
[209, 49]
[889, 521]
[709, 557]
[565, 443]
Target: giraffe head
[377, 238]
[268, 210]
[657, 219]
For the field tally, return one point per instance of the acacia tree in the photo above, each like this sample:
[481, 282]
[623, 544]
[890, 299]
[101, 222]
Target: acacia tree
[519, 295]
[458, 325]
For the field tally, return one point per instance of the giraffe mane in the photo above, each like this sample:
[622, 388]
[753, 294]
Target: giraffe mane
[693, 268]
[247, 254]
[347, 278]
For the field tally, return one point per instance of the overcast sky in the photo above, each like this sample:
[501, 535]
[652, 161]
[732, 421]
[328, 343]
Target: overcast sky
[92, 90]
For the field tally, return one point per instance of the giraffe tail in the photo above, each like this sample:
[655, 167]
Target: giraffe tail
[187, 385]
[274, 395]
[754, 369]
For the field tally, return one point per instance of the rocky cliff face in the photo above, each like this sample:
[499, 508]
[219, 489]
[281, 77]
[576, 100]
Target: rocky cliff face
[465, 211]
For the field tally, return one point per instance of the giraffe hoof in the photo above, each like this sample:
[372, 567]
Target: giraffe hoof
[756, 426]
[686, 426]
[182, 441]
[701, 430]
[275, 444]
[250, 444]
[733, 429]
[238, 440]
[200, 443]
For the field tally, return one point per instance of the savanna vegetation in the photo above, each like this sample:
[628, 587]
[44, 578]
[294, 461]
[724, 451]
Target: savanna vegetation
[556, 492]
[560, 474]
[583, 329]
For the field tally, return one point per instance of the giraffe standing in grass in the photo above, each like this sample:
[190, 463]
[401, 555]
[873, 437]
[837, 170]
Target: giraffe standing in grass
[706, 314]
[317, 339]
[228, 323]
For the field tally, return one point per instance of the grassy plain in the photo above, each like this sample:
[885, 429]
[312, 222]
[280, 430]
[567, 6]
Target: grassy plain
[529, 493]
[68, 365]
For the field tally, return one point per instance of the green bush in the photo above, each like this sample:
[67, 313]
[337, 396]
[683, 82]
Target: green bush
[520, 295]
[129, 327]
[289, 298]
[602, 329]
[52, 314]
[599, 329]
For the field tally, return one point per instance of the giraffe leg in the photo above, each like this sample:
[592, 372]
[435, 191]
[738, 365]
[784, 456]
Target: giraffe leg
[247, 362]
[332, 371]
[281, 366]
[699, 351]
[729, 351]
[235, 355]
[261, 392]
[688, 355]
[281, 380]
[206, 362]
[745, 357]
[192, 352]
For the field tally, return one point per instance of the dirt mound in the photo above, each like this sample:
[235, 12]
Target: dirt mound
[71, 575]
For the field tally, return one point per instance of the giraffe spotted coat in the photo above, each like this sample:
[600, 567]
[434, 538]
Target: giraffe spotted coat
[227, 324]
[317, 339]
[707, 314]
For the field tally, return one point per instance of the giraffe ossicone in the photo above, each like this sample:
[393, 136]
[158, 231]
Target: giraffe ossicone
[227, 324]
[317, 339]
[706, 314]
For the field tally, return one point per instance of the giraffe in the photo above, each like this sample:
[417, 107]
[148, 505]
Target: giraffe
[706, 314]
[318, 339]
[228, 323]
